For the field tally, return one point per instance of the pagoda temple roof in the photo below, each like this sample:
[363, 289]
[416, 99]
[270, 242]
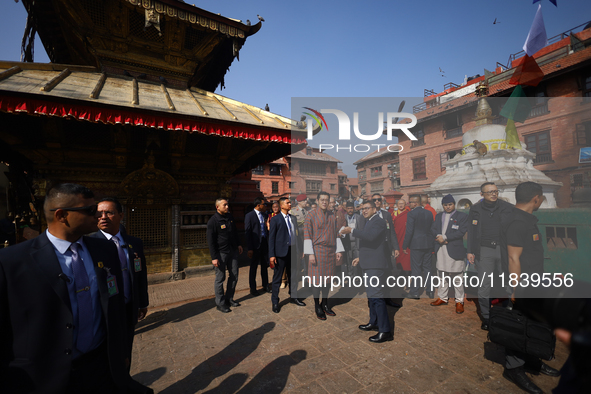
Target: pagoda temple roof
[85, 94]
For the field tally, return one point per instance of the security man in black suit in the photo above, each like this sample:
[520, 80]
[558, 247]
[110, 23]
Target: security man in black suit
[62, 316]
[255, 227]
[523, 254]
[418, 237]
[484, 235]
[375, 264]
[133, 263]
[283, 245]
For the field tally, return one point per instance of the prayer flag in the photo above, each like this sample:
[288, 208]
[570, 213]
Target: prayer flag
[517, 107]
[527, 73]
[511, 136]
[536, 38]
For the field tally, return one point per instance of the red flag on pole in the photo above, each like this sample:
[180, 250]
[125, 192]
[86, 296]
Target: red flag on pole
[527, 73]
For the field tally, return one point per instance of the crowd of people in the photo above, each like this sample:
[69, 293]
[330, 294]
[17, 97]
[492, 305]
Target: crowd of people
[363, 238]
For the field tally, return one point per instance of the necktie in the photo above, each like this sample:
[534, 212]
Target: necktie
[262, 222]
[124, 270]
[288, 227]
[85, 313]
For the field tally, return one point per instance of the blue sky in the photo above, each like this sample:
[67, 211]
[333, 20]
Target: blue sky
[352, 49]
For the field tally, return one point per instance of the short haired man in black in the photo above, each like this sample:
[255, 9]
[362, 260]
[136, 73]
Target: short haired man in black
[223, 242]
[133, 263]
[484, 235]
[524, 255]
[255, 229]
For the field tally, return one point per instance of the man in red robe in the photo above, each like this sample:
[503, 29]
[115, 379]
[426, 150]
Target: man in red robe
[403, 259]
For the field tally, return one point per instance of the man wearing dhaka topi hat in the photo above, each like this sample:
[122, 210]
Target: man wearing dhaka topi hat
[448, 231]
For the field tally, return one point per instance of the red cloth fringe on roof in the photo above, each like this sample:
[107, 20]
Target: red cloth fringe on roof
[119, 116]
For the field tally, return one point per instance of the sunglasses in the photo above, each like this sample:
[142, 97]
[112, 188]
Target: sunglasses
[377, 200]
[89, 210]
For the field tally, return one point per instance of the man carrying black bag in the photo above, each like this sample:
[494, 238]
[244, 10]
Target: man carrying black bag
[523, 255]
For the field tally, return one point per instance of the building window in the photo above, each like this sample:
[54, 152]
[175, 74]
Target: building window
[443, 157]
[540, 104]
[333, 186]
[561, 238]
[333, 170]
[361, 175]
[275, 169]
[291, 185]
[587, 86]
[452, 126]
[258, 185]
[375, 171]
[584, 134]
[377, 187]
[420, 134]
[258, 170]
[313, 186]
[313, 168]
[152, 225]
[275, 187]
[418, 168]
[539, 144]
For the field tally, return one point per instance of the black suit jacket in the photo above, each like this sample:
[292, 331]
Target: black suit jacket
[372, 244]
[279, 236]
[36, 318]
[418, 229]
[252, 229]
[456, 228]
[139, 279]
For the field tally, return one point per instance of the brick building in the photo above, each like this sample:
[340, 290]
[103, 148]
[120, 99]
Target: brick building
[307, 171]
[378, 172]
[558, 125]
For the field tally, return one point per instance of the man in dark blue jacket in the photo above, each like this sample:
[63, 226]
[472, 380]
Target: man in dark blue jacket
[420, 240]
[375, 263]
[255, 228]
[283, 243]
[448, 230]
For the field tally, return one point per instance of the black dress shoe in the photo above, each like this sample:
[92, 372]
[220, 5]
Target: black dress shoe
[297, 302]
[391, 303]
[518, 376]
[223, 309]
[268, 289]
[234, 303]
[275, 308]
[381, 337]
[254, 293]
[542, 369]
[368, 327]
[320, 314]
[328, 311]
[484, 325]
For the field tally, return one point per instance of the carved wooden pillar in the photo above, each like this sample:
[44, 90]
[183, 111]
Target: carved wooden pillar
[176, 225]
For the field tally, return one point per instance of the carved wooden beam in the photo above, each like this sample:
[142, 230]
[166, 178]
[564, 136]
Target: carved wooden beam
[224, 108]
[167, 97]
[9, 72]
[57, 79]
[99, 86]
[134, 93]
[253, 115]
[197, 103]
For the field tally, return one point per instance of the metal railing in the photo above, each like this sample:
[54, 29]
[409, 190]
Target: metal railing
[543, 158]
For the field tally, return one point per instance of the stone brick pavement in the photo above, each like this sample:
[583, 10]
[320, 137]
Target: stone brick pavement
[190, 347]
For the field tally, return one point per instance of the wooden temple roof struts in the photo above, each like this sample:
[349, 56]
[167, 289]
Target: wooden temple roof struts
[86, 94]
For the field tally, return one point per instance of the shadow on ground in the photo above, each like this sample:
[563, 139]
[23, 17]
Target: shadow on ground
[221, 363]
[174, 315]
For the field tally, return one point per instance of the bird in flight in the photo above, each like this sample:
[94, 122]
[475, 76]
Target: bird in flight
[495, 22]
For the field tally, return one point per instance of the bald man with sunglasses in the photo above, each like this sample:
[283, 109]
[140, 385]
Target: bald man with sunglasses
[62, 316]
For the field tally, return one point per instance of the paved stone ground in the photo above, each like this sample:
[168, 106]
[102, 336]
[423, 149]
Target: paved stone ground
[186, 346]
